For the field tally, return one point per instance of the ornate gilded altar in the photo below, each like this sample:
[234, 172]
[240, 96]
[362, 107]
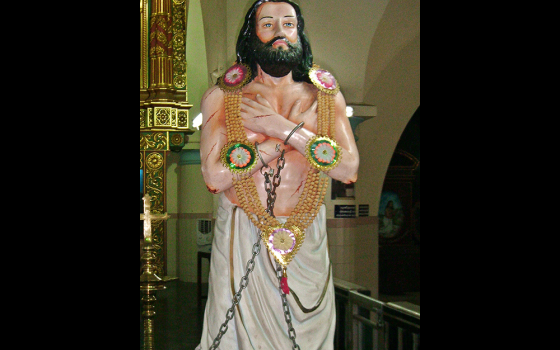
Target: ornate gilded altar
[165, 123]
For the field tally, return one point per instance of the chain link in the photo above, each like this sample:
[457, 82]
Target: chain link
[270, 186]
[286, 308]
[237, 298]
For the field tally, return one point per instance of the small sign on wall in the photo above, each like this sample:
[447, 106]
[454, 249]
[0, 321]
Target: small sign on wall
[344, 211]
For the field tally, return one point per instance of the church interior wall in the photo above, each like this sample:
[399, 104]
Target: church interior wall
[377, 60]
[197, 67]
[396, 93]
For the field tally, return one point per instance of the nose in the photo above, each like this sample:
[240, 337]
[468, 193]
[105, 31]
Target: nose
[280, 31]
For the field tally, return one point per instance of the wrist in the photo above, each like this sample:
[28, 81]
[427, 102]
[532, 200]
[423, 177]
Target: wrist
[299, 126]
[284, 129]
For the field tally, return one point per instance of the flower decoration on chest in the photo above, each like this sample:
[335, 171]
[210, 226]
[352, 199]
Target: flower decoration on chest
[283, 242]
[323, 153]
[239, 157]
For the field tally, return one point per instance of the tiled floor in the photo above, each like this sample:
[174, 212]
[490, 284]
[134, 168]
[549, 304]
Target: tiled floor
[178, 321]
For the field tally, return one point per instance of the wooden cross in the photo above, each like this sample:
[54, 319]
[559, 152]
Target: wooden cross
[148, 217]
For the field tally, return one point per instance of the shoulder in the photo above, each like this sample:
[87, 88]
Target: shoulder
[212, 106]
[308, 88]
[212, 96]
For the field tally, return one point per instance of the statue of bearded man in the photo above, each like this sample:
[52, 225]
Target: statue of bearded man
[273, 112]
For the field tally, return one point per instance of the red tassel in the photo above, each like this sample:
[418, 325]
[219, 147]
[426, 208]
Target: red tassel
[285, 287]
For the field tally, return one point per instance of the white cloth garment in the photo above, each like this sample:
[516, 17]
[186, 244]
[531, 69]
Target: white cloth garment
[259, 322]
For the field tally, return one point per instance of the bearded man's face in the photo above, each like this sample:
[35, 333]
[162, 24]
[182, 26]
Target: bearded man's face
[278, 49]
[278, 62]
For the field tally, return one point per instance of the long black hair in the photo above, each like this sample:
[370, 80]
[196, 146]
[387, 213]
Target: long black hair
[245, 51]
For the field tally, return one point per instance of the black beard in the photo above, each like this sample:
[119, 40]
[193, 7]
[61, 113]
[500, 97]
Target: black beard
[277, 62]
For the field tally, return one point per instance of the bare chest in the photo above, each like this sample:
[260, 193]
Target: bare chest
[283, 99]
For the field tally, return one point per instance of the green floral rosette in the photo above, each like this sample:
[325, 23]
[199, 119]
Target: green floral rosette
[323, 153]
[238, 157]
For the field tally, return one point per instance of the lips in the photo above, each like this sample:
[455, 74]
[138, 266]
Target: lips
[278, 41]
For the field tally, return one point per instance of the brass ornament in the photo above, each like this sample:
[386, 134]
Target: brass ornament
[154, 161]
[157, 141]
[177, 139]
[153, 166]
[283, 257]
[158, 118]
[179, 44]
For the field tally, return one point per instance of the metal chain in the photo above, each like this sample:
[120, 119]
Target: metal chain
[271, 187]
[237, 298]
[286, 307]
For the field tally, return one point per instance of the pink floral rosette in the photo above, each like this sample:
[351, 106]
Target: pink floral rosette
[324, 80]
[235, 78]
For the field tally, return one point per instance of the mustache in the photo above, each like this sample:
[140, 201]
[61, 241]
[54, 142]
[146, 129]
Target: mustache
[271, 42]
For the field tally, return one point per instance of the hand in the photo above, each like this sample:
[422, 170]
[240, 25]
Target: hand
[259, 116]
[309, 117]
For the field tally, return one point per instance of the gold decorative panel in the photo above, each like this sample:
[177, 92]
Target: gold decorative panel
[165, 118]
[179, 45]
[165, 122]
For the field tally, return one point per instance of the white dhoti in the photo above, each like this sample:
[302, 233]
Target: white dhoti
[259, 322]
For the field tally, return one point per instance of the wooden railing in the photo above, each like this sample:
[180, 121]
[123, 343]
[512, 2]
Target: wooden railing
[364, 323]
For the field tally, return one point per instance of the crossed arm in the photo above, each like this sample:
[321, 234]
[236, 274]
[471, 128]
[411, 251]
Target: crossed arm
[214, 137]
[266, 126]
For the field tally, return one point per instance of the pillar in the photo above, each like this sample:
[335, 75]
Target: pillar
[165, 123]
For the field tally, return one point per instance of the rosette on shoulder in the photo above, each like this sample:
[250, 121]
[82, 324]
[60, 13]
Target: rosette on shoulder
[324, 80]
[235, 78]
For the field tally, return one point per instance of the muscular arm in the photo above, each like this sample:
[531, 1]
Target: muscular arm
[214, 138]
[279, 127]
